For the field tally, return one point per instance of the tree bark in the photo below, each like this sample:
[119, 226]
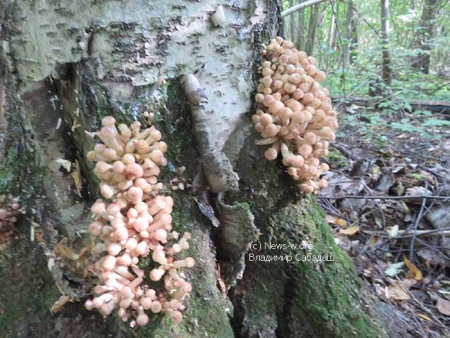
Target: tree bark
[348, 29]
[301, 43]
[385, 45]
[425, 34]
[293, 25]
[349, 50]
[331, 33]
[64, 66]
[314, 17]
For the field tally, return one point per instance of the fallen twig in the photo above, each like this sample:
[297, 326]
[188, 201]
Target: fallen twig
[423, 307]
[409, 233]
[346, 152]
[416, 224]
[444, 198]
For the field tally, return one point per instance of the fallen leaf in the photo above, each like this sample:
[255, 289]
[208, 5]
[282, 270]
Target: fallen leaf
[409, 282]
[349, 231]
[428, 176]
[375, 240]
[405, 209]
[76, 176]
[399, 189]
[393, 231]
[399, 168]
[414, 270]
[424, 317]
[341, 222]
[443, 306]
[386, 182]
[378, 221]
[336, 220]
[66, 252]
[418, 191]
[330, 219]
[394, 269]
[403, 136]
[353, 109]
[59, 304]
[376, 170]
[398, 292]
[432, 258]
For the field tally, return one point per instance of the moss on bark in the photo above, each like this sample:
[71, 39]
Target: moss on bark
[286, 290]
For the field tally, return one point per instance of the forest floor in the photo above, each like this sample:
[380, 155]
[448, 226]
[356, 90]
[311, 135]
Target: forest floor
[388, 203]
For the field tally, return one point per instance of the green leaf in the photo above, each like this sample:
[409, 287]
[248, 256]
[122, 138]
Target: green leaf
[435, 123]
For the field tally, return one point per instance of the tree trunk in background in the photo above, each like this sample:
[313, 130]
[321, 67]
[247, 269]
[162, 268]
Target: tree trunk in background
[301, 44]
[354, 38]
[293, 25]
[385, 45]
[425, 34]
[331, 33]
[311, 38]
[63, 66]
[348, 35]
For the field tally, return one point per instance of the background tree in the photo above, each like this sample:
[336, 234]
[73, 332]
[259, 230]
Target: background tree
[424, 34]
[418, 32]
[349, 21]
[385, 43]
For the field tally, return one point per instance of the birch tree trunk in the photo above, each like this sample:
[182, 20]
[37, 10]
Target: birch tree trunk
[66, 64]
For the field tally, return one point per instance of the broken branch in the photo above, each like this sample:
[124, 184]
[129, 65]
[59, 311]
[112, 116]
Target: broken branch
[300, 7]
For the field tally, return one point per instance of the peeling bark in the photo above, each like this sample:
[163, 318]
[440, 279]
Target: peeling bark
[216, 165]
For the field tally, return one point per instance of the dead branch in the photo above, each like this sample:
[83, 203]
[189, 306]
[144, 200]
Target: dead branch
[444, 198]
[346, 152]
[423, 307]
[442, 107]
[416, 224]
[408, 233]
[300, 7]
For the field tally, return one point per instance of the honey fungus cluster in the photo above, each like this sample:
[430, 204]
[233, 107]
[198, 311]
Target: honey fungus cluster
[294, 115]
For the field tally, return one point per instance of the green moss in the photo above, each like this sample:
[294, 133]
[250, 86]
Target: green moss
[21, 175]
[325, 292]
[306, 298]
[295, 294]
[27, 288]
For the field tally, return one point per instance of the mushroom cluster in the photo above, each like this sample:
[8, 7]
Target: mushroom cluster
[294, 113]
[9, 209]
[135, 223]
